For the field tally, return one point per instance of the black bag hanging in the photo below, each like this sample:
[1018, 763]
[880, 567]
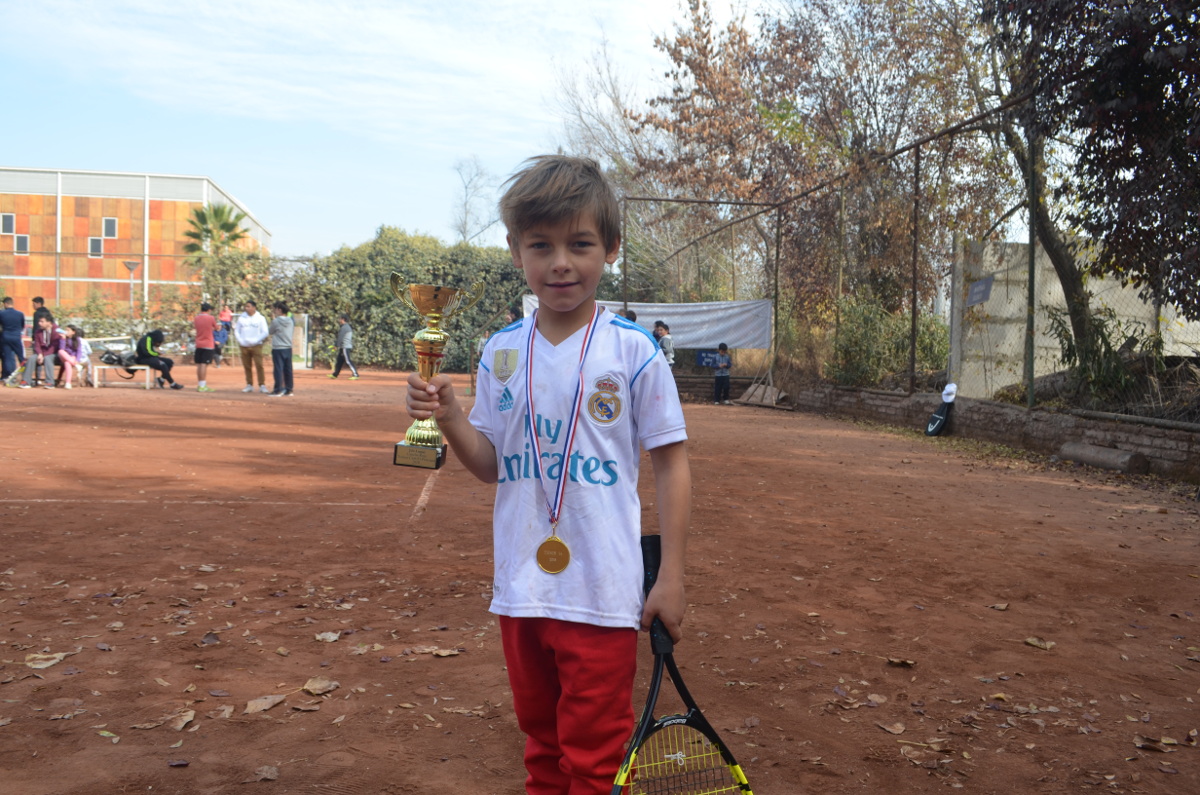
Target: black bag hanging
[939, 418]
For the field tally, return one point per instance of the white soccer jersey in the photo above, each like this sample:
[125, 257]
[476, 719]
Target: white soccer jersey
[629, 398]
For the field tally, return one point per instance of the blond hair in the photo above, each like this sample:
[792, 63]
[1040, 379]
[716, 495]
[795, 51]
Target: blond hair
[550, 189]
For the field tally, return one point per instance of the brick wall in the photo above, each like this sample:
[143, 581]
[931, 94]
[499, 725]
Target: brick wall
[1173, 449]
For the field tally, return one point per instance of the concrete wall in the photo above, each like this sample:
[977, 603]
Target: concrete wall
[1172, 449]
[988, 340]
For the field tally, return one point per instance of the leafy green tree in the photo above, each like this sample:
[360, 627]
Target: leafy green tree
[1121, 79]
[215, 230]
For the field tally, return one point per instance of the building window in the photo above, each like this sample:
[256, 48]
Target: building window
[21, 244]
[95, 247]
[110, 227]
[8, 223]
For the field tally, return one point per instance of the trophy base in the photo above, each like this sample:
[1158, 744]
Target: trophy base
[411, 455]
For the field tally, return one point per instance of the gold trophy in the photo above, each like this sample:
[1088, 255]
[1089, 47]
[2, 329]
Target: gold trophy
[423, 445]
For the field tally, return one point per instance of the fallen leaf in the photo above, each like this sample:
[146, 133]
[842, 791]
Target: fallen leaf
[900, 662]
[261, 704]
[894, 728]
[40, 661]
[328, 637]
[222, 712]
[177, 762]
[319, 685]
[1001, 606]
[182, 719]
[1039, 643]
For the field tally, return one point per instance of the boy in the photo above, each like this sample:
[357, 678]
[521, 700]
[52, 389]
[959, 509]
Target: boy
[662, 332]
[148, 354]
[721, 376]
[558, 432]
[282, 327]
[344, 342]
[44, 343]
[206, 345]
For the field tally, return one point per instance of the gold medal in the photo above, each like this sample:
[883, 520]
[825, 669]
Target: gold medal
[553, 555]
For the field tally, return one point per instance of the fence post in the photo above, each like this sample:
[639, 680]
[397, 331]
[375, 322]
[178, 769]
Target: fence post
[916, 234]
[1031, 200]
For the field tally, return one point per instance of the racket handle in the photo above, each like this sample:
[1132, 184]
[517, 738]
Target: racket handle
[660, 639]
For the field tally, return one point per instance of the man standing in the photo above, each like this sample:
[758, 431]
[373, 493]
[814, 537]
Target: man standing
[250, 331]
[12, 349]
[282, 326]
[206, 346]
[39, 310]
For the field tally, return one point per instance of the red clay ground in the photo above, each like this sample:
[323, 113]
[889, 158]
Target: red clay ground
[186, 550]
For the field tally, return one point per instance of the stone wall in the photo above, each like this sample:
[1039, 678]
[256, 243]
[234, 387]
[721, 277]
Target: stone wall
[1172, 448]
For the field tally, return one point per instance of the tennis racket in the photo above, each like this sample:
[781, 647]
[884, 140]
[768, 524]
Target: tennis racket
[677, 754]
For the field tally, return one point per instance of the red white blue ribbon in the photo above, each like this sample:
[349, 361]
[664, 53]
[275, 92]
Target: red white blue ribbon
[554, 503]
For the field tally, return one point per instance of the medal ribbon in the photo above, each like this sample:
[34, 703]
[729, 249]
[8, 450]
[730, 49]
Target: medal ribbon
[554, 503]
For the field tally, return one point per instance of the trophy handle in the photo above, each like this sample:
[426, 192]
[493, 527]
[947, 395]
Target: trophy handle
[400, 290]
[475, 294]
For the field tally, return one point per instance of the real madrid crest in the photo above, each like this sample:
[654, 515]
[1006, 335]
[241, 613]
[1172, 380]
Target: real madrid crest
[604, 404]
[504, 363]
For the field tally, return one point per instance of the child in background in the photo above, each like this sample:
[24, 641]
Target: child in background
[71, 352]
[567, 521]
[721, 375]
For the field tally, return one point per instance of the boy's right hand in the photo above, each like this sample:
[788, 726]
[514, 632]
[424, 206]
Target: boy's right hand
[433, 399]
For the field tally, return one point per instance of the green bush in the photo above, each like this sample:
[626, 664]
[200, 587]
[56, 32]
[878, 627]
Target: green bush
[872, 343]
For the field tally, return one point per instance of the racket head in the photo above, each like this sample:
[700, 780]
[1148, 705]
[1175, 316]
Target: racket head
[681, 755]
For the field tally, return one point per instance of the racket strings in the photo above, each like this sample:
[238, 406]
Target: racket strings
[679, 760]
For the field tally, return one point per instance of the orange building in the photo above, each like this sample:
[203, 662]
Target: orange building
[64, 234]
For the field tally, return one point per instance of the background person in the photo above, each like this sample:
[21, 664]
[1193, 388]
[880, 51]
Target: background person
[206, 328]
[721, 375]
[39, 310]
[44, 346]
[251, 331]
[12, 346]
[72, 353]
[148, 354]
[282, 326]
[344, 342]
[662, 333]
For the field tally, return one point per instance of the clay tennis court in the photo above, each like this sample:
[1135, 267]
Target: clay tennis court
[869, 611]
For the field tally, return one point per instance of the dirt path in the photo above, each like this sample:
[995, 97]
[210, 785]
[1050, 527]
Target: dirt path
[860, 605]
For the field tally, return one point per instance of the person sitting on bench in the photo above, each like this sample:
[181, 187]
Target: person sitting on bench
[147, 354]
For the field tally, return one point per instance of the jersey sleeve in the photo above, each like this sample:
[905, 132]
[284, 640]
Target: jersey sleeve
[656, 403]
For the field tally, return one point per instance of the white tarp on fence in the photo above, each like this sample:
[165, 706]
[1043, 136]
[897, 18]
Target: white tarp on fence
[738, 324]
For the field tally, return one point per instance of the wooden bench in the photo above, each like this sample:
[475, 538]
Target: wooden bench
[100, 374]
[100, 370]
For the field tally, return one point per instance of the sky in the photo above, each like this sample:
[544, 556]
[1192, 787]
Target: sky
[326, 119]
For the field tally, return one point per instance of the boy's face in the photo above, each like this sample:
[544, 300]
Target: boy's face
[250, 309]
[563, 262]
[43, 322]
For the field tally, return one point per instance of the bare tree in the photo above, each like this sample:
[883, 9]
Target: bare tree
[471, 218]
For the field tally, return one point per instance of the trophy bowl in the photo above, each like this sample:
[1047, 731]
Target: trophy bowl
[423, 445]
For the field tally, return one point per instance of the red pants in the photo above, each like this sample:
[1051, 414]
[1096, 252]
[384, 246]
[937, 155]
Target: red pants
[573, 696]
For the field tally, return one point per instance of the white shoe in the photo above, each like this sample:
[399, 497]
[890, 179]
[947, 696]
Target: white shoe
[264, 389]
[248, 388]
[67, 385]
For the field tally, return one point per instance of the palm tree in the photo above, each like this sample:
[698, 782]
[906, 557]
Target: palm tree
[215, 230]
